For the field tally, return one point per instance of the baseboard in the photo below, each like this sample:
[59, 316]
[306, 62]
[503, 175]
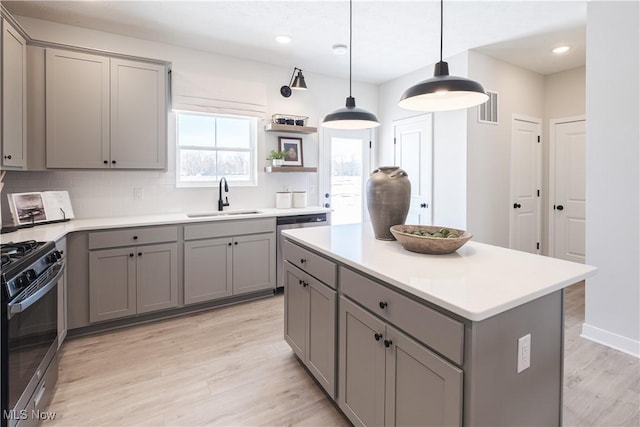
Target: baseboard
[615, 341]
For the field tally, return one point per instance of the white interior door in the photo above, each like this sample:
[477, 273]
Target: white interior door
[524, 220]
[346, 165]
[568, 190]
[414, 153]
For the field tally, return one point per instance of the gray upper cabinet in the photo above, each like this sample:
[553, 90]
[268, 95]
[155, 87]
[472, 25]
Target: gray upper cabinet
[104, 112]
[77, 109]
[138, 115]
[14, 98]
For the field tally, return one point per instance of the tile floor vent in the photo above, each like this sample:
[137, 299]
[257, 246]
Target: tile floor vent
[488, 112]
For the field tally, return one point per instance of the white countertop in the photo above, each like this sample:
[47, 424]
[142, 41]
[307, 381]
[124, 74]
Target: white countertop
[59, 230]
[476, 282]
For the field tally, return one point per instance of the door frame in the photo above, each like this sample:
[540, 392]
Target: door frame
[324, 168]
[538, 121]
[552, 176]
[430, 154]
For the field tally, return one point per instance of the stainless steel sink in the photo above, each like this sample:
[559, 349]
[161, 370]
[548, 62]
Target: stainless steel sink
[221, 213]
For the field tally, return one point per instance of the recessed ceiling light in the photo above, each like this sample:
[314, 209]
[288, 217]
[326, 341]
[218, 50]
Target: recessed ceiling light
[283, 39]
[340, 49]
[561, 49]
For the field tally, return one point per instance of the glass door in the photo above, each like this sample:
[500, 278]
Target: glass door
[346, 164]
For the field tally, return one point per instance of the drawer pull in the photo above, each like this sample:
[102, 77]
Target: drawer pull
[302, 260]
[388, 343]
[135, 237]
[377, 336]
[382, 305]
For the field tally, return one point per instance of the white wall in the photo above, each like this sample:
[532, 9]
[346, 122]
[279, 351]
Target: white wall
[449, 143]
[612, 307]
[110, 193]
[489, 146]
[564, 96]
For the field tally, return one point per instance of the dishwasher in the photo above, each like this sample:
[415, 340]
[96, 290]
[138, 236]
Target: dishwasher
[286, 223]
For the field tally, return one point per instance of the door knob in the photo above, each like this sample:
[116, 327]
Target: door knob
[560, 207]
[517, 206]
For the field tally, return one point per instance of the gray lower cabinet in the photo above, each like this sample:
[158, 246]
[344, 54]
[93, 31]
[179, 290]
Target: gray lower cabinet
[132, 280]
[207, 269]
[310, 324]
[221, 267]
[387, 378]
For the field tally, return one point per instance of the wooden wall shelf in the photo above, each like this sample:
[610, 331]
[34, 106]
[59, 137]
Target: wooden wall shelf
[275, 127]
[273, 169]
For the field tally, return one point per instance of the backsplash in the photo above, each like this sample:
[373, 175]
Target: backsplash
[111, 193]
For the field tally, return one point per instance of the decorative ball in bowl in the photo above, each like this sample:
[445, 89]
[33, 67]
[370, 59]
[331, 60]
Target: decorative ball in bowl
[430, 239]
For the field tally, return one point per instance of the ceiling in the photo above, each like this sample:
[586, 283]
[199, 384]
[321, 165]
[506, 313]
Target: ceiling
[390, 38]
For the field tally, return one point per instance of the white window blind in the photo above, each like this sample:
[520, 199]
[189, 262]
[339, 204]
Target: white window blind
[214, 94]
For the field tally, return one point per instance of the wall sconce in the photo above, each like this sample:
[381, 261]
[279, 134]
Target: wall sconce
[298, 83]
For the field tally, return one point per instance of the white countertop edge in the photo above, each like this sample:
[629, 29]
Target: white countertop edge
[475, 316]
[56, 231]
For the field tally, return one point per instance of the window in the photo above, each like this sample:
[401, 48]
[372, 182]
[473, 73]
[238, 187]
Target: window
[210, 146]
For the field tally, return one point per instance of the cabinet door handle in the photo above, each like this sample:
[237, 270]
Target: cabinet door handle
[300, 282]
[135, 237]
[388, 343]
[139, 253]
[377, 336]
[229, 243]
[105, 162]
[113, 161]
[302, 260]
[131, 255]
[8, 157]
[235, 243]
[382, 305]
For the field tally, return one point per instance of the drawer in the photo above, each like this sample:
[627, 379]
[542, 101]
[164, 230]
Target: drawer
[434, 329]
[132, 236]
[314, 264]
[223, 228]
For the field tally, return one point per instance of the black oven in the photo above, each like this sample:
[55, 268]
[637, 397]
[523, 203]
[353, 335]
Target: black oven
[29, 332]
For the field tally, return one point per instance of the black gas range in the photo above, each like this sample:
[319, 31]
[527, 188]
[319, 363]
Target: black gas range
[30, 272]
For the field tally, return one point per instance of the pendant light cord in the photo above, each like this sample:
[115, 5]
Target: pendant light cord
[441, 26]
[350, 40]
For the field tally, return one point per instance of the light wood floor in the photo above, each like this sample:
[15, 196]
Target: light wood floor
[231, 366]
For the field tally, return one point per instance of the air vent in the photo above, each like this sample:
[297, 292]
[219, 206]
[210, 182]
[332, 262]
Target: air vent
[488, 112]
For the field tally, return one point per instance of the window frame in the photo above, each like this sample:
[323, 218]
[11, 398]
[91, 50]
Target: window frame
[213, 182]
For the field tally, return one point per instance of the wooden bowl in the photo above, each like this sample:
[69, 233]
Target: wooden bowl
[429, 244]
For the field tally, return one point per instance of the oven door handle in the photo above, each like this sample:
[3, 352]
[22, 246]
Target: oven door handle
[19, 307]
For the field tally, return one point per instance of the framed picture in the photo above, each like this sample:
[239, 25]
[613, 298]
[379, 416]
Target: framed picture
[293, 149]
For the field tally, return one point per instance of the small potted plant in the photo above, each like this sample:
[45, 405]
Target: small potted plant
[277, 157]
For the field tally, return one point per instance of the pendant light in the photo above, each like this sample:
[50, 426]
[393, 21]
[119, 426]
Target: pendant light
[350, 117]
[443, 92]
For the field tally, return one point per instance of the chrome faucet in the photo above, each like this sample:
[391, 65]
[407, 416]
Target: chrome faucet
[222, 204]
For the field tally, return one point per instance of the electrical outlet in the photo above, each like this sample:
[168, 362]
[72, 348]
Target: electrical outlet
[138, 193]
[524, 352]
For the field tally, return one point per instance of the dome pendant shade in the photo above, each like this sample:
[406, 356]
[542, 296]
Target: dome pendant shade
[350, 117]
[443, 92]
[298, 82]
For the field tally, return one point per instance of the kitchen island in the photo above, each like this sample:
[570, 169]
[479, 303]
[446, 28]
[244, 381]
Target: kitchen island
[470, 338]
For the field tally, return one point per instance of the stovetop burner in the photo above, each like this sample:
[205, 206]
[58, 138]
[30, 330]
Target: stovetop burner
[19, 249]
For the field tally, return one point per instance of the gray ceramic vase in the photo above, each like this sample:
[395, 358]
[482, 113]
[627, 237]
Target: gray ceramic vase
[388, 198]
